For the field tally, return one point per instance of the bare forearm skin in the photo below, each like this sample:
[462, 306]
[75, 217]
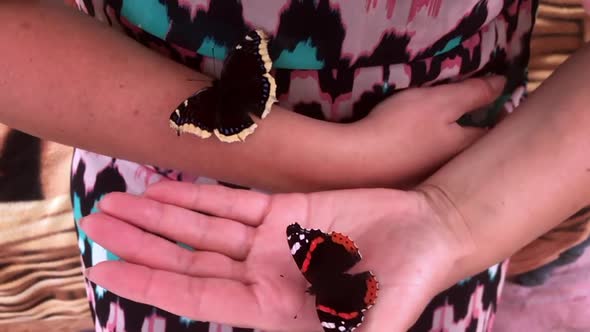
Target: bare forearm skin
[526, 176]
[66, 78]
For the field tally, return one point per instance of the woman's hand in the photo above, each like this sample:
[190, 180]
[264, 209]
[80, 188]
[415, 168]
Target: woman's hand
[242, 272]
[408, 136]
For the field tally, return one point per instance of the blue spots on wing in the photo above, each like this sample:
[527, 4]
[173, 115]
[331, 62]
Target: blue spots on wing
[149, 15]
[304, 56]
[451, 44]
[210, 48]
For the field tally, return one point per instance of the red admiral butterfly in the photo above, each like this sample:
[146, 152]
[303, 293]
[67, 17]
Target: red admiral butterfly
[245, 87]
[341, 298]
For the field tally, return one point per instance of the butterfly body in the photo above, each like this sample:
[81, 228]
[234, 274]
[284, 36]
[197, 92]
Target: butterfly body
[245, 88]
[324, 259]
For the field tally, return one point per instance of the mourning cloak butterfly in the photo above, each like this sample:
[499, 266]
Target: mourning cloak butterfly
[245, 87]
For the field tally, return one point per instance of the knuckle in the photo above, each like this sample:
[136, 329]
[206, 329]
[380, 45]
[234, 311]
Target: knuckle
[148, 290]
[184, 261]
[243, 251]
[232, 200]
[154, 212]
[200, 226]
[484, 89]
[195, 197]
[137, 249]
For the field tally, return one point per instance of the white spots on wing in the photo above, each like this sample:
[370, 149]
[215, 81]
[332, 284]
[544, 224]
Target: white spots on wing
[341, 328]
[295, 248]
[301, 236]
[289, 237]
[186, 103]
[328, 325]
[177, 112]
[238, 47]
[248, 38]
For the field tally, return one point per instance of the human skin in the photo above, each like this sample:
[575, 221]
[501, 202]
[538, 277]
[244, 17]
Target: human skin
[67, 78]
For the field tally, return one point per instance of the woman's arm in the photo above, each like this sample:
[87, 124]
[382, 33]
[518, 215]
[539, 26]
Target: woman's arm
[526, 176]
[66, 78]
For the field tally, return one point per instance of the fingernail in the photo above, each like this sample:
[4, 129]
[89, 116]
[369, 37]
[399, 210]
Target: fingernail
[497, 82]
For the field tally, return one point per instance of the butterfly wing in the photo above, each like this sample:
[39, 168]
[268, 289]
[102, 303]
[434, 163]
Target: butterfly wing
[196, 114]
[246, 86]
[318, 254]
[341, 298]
[342, 301]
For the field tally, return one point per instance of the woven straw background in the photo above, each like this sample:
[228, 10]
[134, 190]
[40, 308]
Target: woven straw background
[41, 285]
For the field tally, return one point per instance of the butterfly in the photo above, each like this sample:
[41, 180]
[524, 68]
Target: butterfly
[341, 298]
[245, 87]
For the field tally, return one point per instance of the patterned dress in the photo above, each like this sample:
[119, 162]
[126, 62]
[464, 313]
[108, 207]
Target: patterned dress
[334, 60]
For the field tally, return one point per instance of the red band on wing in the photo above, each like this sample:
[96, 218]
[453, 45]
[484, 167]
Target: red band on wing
[312, 247]
[333, 312]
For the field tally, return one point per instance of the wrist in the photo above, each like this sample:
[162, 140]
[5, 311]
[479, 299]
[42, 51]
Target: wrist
[440, 208]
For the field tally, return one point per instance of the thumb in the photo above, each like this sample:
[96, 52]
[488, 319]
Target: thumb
[457, 99]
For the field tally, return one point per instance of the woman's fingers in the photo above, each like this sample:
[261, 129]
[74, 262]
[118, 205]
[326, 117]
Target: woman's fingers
[456, 99]
[245, 206]
[205, 299]
[466, 136]
[197, 230]
[144, 248]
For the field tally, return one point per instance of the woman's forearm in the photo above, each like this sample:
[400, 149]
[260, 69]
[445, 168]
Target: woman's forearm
[526, 176]
[66, 78]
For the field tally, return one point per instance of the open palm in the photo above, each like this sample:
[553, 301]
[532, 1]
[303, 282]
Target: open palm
[242, 272]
